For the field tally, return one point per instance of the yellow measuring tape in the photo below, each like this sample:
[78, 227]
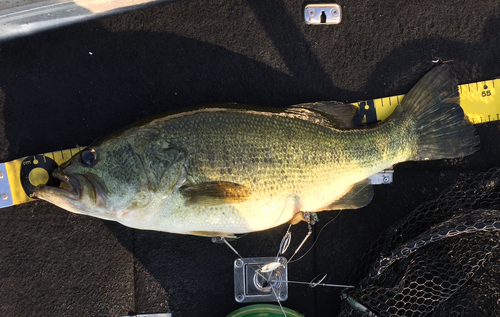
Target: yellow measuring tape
[480, 103]
[18, 178]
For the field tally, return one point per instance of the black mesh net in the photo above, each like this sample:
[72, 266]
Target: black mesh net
[442, 259]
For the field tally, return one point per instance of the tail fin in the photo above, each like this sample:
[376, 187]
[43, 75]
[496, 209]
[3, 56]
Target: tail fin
[442, 130]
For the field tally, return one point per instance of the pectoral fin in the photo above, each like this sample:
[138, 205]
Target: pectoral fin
[214, 193]
[360, 195]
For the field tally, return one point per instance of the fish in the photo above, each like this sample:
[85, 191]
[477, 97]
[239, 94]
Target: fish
[226, 170]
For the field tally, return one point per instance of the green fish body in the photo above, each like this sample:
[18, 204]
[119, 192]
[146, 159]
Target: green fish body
[220, 171]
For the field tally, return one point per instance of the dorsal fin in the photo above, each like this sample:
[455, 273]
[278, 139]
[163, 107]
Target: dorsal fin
[337, 115]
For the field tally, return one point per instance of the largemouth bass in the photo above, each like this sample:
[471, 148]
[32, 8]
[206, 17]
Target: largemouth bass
[219, 171]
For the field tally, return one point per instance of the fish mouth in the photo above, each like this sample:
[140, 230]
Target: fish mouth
[73, 184]
[83, 194]
[80, 193]
[58, 195]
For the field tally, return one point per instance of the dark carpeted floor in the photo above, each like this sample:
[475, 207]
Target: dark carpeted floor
[70, 86]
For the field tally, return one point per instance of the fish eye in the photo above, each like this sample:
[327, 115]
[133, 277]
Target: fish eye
[88, 157]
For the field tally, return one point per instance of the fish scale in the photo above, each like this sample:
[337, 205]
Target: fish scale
[308, 167]
[224, 170]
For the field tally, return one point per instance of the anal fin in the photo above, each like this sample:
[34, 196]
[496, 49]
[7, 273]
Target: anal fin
[360, 195]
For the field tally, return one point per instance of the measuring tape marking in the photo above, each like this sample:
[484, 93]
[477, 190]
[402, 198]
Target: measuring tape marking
[480, 102]
[21, 176]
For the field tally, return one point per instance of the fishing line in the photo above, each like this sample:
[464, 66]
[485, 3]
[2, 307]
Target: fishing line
[278, 300]
[239, 255]
[309, 232]
[316, 240]
[258, 271]
[271, 267]
[230, 246]
[308, 220]
[313, 285]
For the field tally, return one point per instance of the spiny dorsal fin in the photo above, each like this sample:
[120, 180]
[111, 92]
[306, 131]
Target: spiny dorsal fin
[214, 193]
[338, 114]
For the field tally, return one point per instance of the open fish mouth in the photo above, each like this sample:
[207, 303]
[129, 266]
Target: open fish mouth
[57, 195]
[72, 183]
[80, 196]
